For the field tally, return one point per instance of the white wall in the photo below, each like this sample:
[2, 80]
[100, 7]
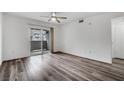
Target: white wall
[57, 37]
[16, 36]
[89, 40]
[0, 38]
[85, 40]
[118, 38]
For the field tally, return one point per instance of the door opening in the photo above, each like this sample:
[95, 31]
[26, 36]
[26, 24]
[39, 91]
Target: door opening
[118, 39]
[40, 41]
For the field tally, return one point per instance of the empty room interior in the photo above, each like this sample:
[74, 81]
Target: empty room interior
[62, 46]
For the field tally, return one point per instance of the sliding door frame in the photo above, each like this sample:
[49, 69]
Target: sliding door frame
[51, 30]
[52, 39]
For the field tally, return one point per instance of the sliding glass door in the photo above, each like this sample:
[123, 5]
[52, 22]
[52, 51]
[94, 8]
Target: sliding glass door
[36, 44]
[40, 43]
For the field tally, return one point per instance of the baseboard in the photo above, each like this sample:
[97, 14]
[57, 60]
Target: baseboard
[118, 58]
[56, 52]
[14, 59]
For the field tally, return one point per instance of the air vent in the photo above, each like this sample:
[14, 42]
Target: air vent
[81, 21]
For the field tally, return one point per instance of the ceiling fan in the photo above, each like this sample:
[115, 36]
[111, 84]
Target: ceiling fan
[53, 17]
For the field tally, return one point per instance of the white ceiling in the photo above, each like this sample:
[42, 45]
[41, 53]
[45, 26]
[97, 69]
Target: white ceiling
[71, 16]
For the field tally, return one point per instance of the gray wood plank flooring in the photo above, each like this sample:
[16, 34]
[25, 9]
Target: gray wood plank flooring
[61, 67]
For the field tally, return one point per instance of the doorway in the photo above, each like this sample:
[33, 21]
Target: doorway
[118, 39]
[40, 41]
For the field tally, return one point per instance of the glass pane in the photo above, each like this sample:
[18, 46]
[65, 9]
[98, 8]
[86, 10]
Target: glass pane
[36, 35]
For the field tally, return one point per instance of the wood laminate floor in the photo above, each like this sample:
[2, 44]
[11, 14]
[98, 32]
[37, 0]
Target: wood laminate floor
[61, 67]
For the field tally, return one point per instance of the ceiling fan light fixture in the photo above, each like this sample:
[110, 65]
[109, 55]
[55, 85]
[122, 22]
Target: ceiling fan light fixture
[53, 19]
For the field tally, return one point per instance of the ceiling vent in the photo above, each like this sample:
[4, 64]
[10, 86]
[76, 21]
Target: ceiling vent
[81, 21]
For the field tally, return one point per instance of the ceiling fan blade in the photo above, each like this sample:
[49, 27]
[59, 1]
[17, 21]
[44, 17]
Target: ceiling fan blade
[62, 17]
[57, 20]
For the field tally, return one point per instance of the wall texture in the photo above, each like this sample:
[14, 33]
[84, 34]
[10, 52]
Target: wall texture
[90, 39]
[16, 36]
[0, 38]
